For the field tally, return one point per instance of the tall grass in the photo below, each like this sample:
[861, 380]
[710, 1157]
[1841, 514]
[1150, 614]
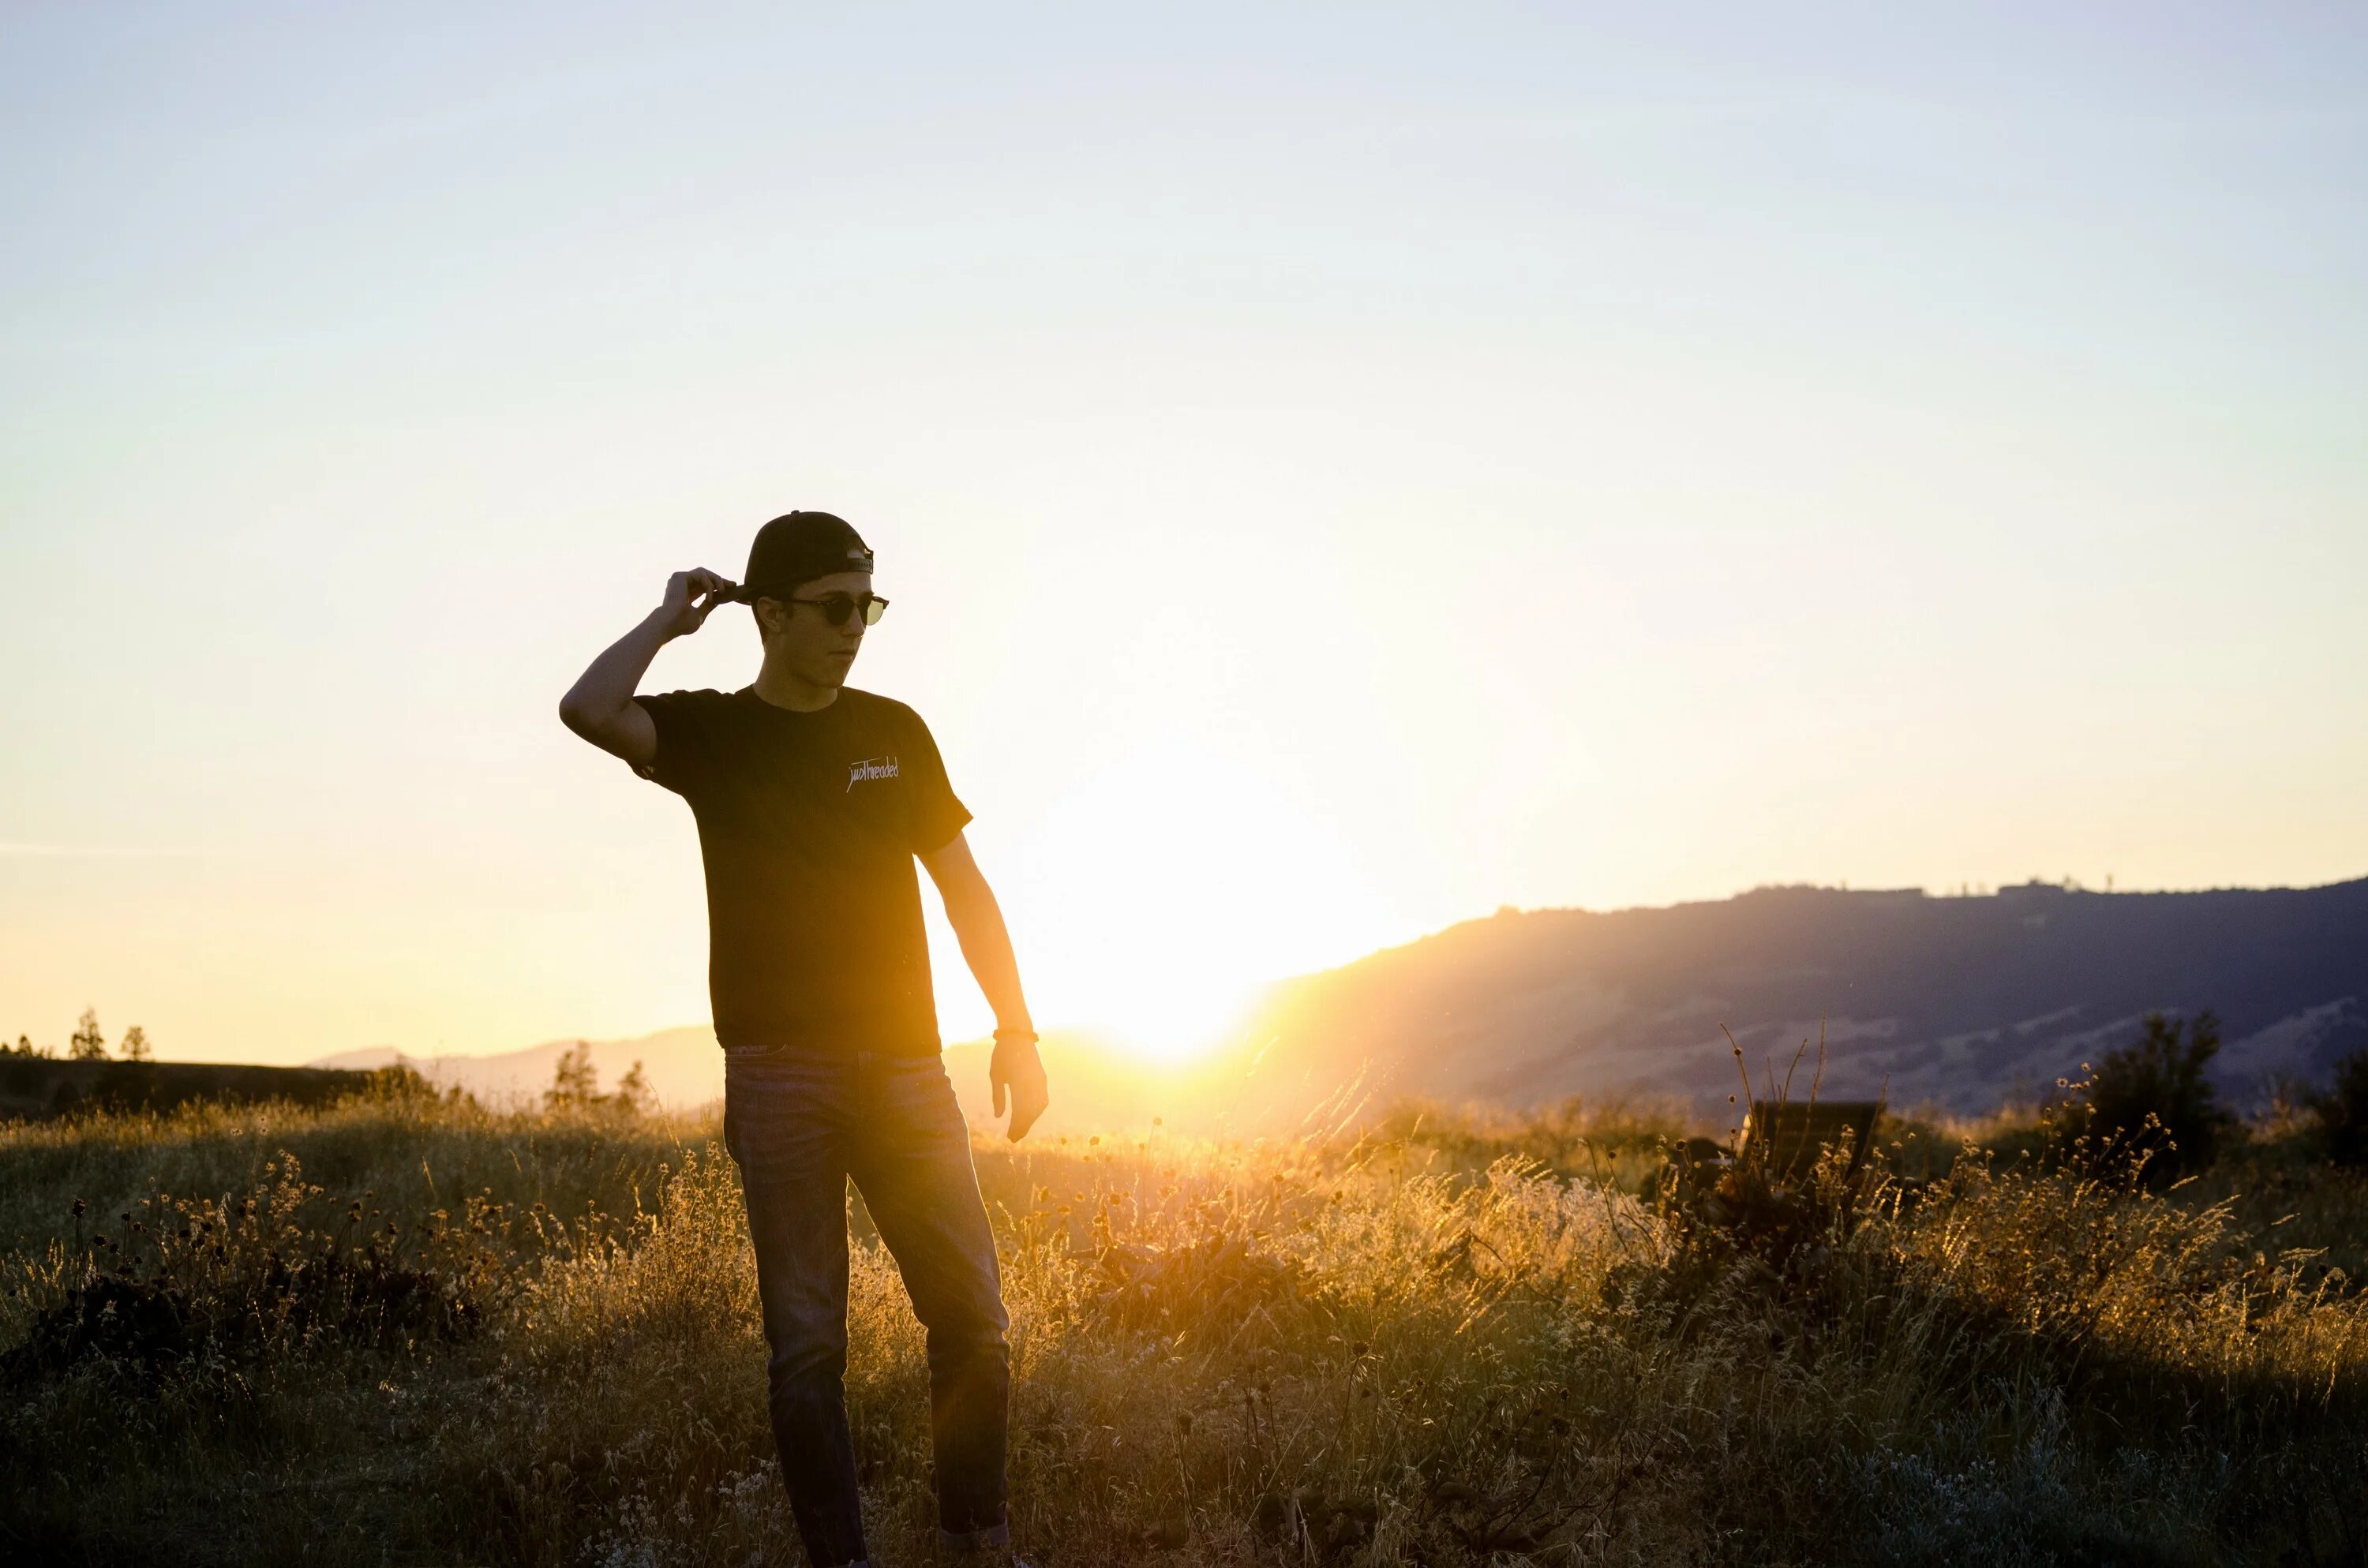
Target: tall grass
[1446, 1340]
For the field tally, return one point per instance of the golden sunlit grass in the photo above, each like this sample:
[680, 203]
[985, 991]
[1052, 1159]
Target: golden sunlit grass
[1448, 1340]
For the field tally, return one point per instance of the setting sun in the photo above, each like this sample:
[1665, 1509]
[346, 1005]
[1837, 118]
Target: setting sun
[1161, 888]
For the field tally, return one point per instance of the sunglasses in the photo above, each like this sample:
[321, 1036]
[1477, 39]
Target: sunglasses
[836, 608]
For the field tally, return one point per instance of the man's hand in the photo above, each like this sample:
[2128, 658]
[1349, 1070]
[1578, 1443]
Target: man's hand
[600, 705]
[1016, 1066]
[683, 611]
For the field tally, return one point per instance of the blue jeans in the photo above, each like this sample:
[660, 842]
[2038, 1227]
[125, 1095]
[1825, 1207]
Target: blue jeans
[799, 1123]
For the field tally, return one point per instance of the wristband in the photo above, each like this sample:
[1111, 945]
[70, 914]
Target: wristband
[1014, 1037]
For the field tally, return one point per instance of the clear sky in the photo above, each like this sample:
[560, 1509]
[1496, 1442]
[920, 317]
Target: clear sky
[1339, 470]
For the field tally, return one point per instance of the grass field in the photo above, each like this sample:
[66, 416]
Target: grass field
[405, 1329]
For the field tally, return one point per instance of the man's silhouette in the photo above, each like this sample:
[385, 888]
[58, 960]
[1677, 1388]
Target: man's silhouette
[813, 799]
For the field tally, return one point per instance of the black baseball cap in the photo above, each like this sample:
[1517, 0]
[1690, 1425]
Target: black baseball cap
[797, 548]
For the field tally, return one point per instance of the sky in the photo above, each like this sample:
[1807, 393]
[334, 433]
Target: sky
[1338, 471]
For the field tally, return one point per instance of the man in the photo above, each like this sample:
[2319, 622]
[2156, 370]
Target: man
[813, 798]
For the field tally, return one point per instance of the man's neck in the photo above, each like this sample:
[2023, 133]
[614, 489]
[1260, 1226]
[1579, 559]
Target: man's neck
[783, 689]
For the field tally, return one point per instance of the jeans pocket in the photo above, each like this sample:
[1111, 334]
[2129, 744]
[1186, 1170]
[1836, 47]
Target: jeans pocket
[923, 1095]
[753, 1052]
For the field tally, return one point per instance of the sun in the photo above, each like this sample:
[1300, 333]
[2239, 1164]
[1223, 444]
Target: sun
[1158, 894]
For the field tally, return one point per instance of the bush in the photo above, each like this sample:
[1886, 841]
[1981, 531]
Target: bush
[283, 1270]
[2147, 1110]
[2343, 1111]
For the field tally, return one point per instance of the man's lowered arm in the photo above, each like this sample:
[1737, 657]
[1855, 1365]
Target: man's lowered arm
[977, 921]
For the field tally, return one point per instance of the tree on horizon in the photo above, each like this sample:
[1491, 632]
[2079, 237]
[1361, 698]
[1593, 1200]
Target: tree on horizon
[573, 1080]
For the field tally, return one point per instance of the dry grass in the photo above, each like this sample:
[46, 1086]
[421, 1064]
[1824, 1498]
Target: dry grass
[1451, 1341]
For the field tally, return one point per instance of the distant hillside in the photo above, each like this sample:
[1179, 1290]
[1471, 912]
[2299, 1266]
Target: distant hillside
[683, 1066]
[1958, 1001]
[1094, 1085]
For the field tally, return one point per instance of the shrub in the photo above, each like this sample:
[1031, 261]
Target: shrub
[284, 1269]
[2147, 1110]
[2343, 1111]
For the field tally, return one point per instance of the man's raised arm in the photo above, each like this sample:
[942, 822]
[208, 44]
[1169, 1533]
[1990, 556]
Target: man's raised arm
[600, 705]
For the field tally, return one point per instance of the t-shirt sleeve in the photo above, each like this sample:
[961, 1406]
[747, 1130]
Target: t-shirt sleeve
[936, 813]
[681, 761]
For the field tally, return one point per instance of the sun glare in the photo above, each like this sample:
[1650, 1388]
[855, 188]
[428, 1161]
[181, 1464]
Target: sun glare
[1156, 898]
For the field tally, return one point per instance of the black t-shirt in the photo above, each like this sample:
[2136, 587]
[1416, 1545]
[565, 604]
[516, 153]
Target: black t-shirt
[808, 823]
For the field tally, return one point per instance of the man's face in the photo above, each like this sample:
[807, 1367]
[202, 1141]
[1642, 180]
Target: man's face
[800, 637]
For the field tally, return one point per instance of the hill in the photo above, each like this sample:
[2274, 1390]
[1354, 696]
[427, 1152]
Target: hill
[1960, 1001]
[1095, 1085]
[682, 1064]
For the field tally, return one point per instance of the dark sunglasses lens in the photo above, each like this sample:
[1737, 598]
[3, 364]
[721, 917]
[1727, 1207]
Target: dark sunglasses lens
[836, 608]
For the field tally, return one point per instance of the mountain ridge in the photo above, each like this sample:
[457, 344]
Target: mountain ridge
[1096, 1084]
[1955, 1001]
[1952, 1000]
